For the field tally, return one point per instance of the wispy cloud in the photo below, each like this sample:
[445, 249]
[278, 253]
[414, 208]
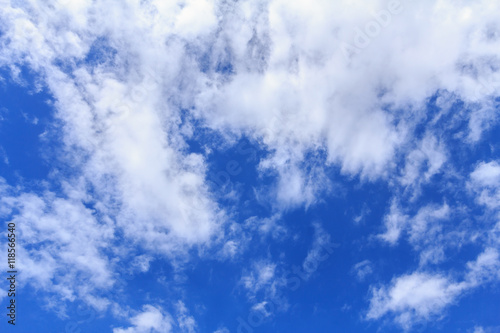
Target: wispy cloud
[136, 85]
[420, 296]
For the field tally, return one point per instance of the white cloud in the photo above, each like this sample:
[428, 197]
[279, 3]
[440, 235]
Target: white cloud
[295, 103]
[319, 252]
[483, 329]
[363, 269]
[432, 232]
[487, 174]
[264, 283]
[365, 211]
[425, 224]
[485, 268]
[485, 180]
[424, 229]
[424, 162]
[261, 307]
[115, 122]
[122, 147]
[3, 155]
[260, 276]
[196, 18]
[421, 296]
[267, 226]
[238, 236]
[290, 88]
[395, 221]
[230, 249]
[294, 187]
[141, 263]
[186, 321]
[413, 297]
[63, 243]
[152, 319]
[222, 330]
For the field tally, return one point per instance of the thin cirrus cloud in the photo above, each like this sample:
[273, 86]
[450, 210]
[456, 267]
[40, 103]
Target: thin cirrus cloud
[321, 88]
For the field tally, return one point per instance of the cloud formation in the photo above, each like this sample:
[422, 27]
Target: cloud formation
[144, 91]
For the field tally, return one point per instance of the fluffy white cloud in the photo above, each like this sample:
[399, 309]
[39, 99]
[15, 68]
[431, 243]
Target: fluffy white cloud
[130, 89]
[117, 133]
[292, 87]
[300, 92]
[485, 180]
[152, 319]
[63, 242]
[487, 174]
[122, 147]
[421, 296]
[414, 296]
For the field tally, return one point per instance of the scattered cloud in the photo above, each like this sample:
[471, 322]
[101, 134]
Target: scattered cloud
[417, 296]
[151, 319]
[261, 275]
[320, 250]
[363, 269]
[422, 296]
[392, 95]
[186, 322]
[485, 180]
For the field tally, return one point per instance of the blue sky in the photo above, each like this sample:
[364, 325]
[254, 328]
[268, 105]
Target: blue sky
[251, 166]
